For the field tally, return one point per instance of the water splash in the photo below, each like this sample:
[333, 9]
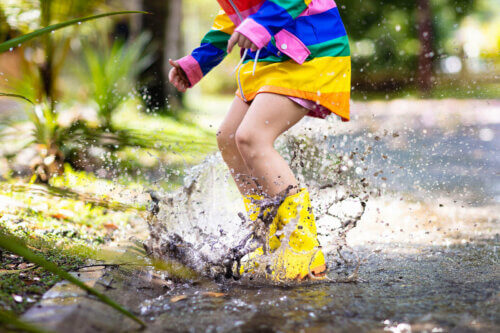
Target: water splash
[200, 224]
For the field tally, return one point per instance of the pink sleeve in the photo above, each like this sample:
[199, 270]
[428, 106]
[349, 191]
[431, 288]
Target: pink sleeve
[192, 69]
[255, 32]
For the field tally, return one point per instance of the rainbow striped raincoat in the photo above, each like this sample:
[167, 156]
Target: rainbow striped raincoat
[303, 51]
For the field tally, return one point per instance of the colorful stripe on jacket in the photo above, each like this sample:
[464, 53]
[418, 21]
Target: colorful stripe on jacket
[211, 52]
[301, 31]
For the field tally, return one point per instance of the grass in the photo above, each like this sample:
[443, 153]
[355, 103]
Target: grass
[65, 227]
[17, 246]
[70, 219]
[75, 217]
[22, 283]
[60, 229]
[177, 143]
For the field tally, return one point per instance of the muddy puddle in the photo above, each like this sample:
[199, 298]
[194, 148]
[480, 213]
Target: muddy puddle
[422, 270]
[411, 196]
[427, 239]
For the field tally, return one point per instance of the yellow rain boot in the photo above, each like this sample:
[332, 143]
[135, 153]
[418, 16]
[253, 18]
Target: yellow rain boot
[253, 211]
[251, 262]
[302, 253]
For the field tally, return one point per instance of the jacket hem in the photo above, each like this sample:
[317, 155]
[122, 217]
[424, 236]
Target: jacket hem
[338, 105]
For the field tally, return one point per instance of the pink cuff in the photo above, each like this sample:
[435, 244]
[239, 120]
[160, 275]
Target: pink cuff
[255, 32]
[318, 7]
[192, 69]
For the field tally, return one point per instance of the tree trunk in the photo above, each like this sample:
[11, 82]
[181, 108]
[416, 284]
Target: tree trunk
[164, 25]
[46, 69]
[425, 35]
[173, 49]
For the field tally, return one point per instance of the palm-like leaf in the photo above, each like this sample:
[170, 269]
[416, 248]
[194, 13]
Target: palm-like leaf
[11, 43]
[112, 71]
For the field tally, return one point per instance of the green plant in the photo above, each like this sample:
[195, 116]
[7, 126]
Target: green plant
[13, 245]
[16, 96]
[15, 42]
[49, 136]
[111, 71]
[54, 47]
[56, 144]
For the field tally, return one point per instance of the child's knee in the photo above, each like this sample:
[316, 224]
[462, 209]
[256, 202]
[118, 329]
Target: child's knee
[244, 139]
[225, 140]
[249, 143]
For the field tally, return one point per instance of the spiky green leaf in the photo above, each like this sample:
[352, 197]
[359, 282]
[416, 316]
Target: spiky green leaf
[16, 96]
[14, 42]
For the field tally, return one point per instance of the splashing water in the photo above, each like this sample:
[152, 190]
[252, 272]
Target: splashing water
[200, 224]
[428, 240]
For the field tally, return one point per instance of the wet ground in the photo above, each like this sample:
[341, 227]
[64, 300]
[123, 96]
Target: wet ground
[437, 276]
[435, 290]
[423, 280]
[429, 243]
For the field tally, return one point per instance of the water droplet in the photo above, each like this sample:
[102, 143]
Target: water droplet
[486, 134]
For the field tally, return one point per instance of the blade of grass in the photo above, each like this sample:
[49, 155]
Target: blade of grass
[16, 96]
[14, 322]
[13, 245]
[14, 42]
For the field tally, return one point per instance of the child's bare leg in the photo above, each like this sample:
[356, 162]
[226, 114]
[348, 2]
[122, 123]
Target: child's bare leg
[269, 116]
[230, 153]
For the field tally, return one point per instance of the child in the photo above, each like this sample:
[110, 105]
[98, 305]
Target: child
[295, 62]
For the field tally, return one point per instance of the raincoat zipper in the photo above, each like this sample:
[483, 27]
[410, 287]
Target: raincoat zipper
[236, 10]
[239, 70]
